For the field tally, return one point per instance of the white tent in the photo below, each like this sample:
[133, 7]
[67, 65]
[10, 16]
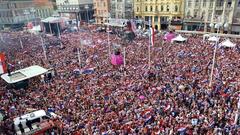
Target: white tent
[227, 43]
[213, 38]
[179, 38]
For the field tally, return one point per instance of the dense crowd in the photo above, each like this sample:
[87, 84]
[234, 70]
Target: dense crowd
[173, 97]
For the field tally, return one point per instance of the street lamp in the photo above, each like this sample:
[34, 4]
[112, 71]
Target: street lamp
[26, 13]
[32, 10]
[217, 26]
[87, 7]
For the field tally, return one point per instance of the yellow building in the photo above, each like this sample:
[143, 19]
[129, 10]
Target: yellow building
[101, 10]
[162, 13]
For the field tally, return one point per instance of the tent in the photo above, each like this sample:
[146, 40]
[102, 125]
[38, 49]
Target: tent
[227, 43]
[179, 38]
[213, 39]
[52, 24]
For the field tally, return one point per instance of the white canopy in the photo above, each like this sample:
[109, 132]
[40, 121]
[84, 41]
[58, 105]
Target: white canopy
[179, 38]
[227, 43]
[213, 38]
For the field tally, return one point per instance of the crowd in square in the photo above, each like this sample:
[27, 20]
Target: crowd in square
[172, 97]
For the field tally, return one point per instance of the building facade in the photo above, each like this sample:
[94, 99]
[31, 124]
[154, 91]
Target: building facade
[162, 13]
[22, 11]
[122, 9]
[101, 11]
[76, 9]
[203, 15]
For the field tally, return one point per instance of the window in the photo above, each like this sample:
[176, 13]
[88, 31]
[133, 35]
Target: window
[156, 9]
[151, 8]
[190, 3]
[35, 120]
[167, 8]
[137, 9]
[146, 8]
[176, 8]
[229, 3]
[211, 4]
[45, 118]
[239, 3]
[204, 3]
[195, 14]
[188, 14]
[162, 8]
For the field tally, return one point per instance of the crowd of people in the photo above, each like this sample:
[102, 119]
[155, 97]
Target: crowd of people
[172, 97]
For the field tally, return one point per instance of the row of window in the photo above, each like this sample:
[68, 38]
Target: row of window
[15, 5]
[100, 4]
[204, 3]
[101, 12]
[21, 13]
[156, 8]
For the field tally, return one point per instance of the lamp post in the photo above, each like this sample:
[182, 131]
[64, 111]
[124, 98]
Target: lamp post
[26, 13]
[109, 46]
[87, 7]
[217, 26]
[32, 10]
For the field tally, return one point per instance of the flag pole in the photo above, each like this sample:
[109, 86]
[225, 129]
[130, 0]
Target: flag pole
[2, 37]
[214, 59]
[20, 40]
[79, 59]
[124, 60]
[44, 49]
[124, 56]
[50, 29]
[109, 47]
[149, 46]
[59, 35]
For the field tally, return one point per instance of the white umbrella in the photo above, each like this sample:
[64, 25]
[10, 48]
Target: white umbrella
[179, 38]
[227, 43]
[213, 38]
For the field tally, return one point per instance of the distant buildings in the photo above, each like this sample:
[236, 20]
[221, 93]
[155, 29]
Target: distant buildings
[162, 13]
[122, 9]
[21, 11]
[76, 9]
[101, 10]
[205, 14]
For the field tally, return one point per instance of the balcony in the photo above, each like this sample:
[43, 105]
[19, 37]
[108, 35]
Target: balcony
[193, 19]
[73, 8]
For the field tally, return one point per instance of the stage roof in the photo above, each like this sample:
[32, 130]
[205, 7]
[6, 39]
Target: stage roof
[23, 74]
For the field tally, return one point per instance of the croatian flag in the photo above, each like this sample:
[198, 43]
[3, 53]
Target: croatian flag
[133, 26]
[152, 36]
[3, 66]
